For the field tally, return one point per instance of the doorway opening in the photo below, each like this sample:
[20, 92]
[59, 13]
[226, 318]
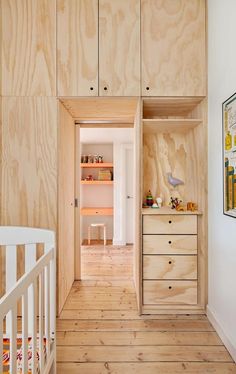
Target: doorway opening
[99, 191]
[105, 173]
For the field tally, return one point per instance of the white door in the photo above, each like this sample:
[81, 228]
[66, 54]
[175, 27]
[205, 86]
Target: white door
[129, 183]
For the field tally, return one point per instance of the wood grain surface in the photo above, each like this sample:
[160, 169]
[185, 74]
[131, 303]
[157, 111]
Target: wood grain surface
[66, 194]
[170, 244]
[173, 48]
[169, 267]
[170, 292]
[77, 47]
[28, 47]
[173, 224]
[110, 340]
[29, 162]
[119, 48]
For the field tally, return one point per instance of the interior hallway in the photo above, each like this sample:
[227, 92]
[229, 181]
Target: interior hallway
[99, 330]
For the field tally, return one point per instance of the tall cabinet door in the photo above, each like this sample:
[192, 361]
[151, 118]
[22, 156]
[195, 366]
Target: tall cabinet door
[77, 47]
[119, 47]
[173, 48]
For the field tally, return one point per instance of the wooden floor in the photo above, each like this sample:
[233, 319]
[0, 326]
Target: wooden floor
[99, 331]
[99, 262]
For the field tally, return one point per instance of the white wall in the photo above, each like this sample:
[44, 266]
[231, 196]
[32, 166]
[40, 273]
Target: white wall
[222, 229]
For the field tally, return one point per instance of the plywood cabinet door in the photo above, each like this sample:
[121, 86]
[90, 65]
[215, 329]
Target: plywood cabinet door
[77, 47]
[173, 47]
[119, 47]
[28, 47]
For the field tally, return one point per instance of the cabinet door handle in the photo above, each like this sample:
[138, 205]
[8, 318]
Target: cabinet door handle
[105, 88]
[170, 262]
[170, 287]
[147, 88]
[169, 241]
[91, 88]
[170, 222]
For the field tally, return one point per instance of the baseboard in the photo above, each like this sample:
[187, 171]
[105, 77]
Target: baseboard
[118, 242]
[226, 339]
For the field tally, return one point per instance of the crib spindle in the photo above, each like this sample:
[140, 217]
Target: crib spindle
[41, 329]
[47, 308]
[11, 277]
[34, 331]
[13, 341]
[25, 333]
[30, 261]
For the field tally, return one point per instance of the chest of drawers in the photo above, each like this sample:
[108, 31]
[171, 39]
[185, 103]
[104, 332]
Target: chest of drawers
[170, 260]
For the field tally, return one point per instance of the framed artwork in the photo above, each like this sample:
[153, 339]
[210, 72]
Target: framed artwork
[229, 155]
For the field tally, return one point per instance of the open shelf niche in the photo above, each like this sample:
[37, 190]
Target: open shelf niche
[174, 142]
[96, 195]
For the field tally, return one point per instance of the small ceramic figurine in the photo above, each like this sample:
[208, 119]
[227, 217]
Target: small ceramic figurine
[154, 205]
[149, 199]
[175, 202]
[159, 202]
[174, 181]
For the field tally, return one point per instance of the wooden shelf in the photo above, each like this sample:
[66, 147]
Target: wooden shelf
[97, 182]
[96, 211]
[97, 165]
[153, 125]
[168, 211]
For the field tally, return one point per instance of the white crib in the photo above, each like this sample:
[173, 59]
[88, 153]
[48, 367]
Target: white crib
[29, 328]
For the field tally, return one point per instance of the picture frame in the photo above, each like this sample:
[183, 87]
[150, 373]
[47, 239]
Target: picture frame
[229, 155]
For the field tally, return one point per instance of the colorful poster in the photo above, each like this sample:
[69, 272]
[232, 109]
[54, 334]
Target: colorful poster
[229, 155]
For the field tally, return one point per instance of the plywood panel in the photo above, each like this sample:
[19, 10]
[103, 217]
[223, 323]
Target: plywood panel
[29, 47]
[77, 47]
[170, 152]
[66, 195]
[173, 224]
[170, 244]
[169, 267]
[138, 203]
[29, 162]
[119, 48]
[173, 48]
[98, 109]
[170, 292]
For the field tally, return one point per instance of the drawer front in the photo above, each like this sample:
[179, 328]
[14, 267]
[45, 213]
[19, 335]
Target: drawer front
[169, 292]
[169, 267]
[169, 244]
[170, 224]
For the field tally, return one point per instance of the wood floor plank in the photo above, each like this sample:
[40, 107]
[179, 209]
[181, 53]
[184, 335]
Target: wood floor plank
[137, 338]
[143, 353]
[134, 325]
[121, 314]
[100, 331]
[147, 367]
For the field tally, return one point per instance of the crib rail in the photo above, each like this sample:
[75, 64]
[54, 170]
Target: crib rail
[36, 290]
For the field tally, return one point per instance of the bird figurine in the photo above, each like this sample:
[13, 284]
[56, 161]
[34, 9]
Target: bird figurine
[174, 181]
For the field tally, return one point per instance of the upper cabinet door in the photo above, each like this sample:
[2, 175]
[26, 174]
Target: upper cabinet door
[173, 47]
[119, 47]
[28, 47]
[77, 47]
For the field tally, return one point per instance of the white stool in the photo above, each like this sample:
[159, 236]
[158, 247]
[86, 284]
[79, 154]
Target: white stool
[98, 225]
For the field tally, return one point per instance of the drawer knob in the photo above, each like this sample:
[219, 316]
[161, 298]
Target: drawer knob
[147, 88]
[170, 222]
[170, 262]
[169, 241]
[170, 287]
[105, 88]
